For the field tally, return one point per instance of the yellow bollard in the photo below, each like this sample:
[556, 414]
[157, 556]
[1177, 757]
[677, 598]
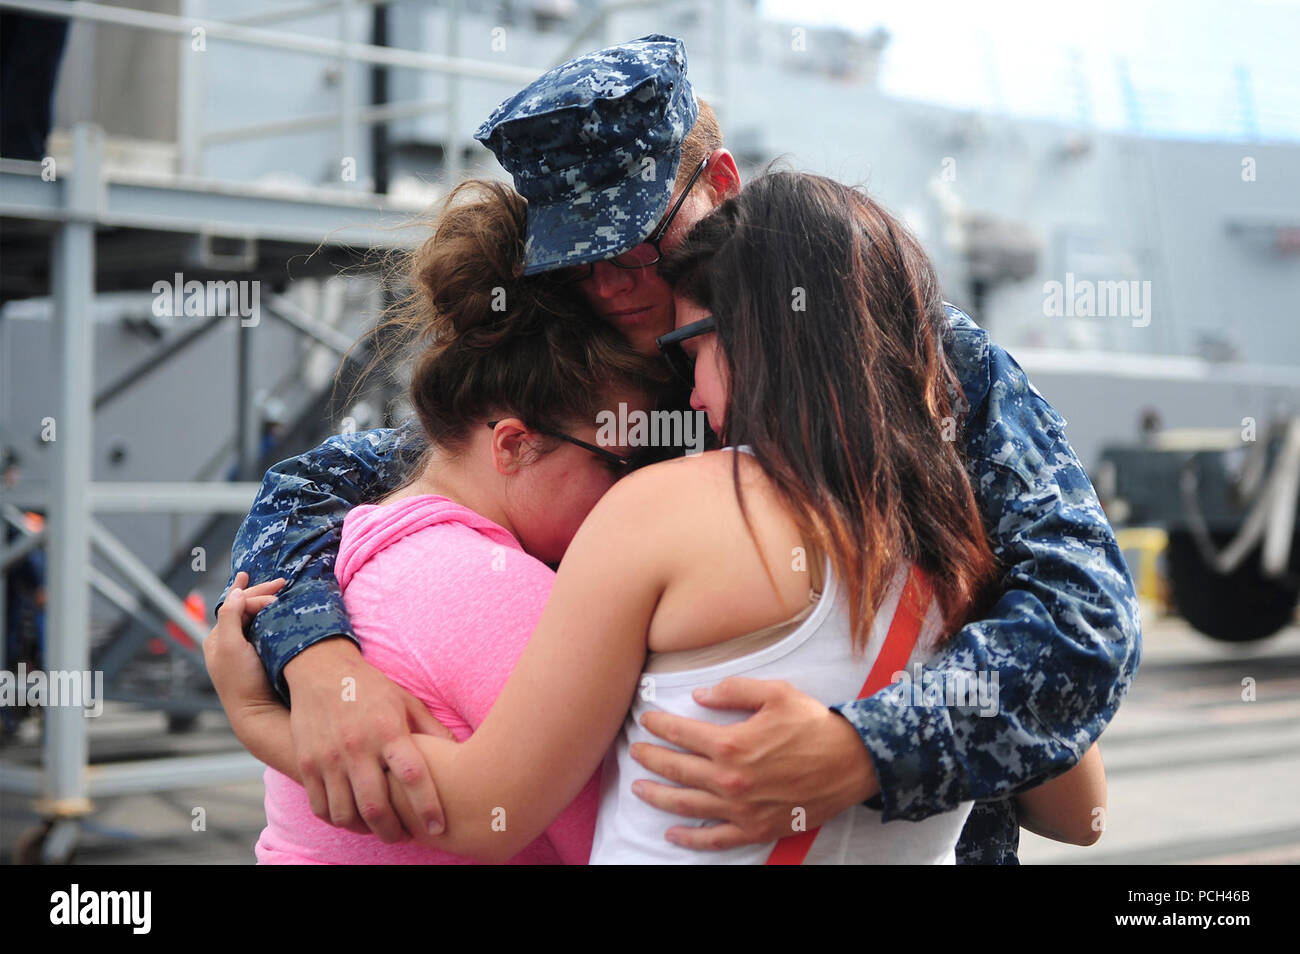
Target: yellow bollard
[1145, 544]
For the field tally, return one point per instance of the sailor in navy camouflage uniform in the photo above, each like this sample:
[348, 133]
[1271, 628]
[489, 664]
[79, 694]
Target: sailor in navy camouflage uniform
[581, 144]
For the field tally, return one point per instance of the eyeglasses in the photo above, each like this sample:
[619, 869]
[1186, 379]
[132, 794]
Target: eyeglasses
[639, 256]
[670, 345]
[620, 465]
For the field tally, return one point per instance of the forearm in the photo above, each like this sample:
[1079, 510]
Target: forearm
[1045, 698]
[264, 730]
[293, 531]
[561, 708]
[1049, 664]
[487, 818]
[1057, 652]
[1071, 807]
[311, 615]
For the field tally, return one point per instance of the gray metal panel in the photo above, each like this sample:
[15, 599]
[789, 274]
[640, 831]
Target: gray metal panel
[215, 208]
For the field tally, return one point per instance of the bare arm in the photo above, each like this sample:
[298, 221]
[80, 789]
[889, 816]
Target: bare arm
[558, 713]
[564, 703]
[306, 642]
[259, 720]
[1071, 807]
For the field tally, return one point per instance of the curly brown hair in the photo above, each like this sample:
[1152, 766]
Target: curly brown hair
[488, 341]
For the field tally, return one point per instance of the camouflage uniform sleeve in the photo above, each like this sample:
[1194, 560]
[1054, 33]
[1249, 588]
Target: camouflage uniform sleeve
[293, 531]
[1063, 640]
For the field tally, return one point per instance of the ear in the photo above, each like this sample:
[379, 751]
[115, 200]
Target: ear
[513, 445]
[722, 176]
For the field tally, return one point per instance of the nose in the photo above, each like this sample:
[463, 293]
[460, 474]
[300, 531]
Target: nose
[608, 280]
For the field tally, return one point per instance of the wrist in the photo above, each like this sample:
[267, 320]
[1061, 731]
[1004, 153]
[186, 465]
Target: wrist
[332, 653]
[859, 780]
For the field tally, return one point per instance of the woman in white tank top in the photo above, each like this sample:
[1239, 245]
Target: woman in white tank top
[841, 547]
[814, 652]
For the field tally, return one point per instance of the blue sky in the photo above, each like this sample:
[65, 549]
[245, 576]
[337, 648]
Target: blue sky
[1176, 67]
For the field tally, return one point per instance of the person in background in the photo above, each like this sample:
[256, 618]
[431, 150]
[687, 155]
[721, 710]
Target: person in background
[30, 51]
[24, 622]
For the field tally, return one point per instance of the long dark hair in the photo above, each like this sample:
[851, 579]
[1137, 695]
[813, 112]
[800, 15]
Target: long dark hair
[830, 320]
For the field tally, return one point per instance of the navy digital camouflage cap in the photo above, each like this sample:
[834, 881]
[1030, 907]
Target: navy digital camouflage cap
[594, 145]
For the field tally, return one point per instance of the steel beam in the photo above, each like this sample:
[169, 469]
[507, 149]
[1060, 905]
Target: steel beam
[238, 210]
[131, 604]
[21, 779]
[157, 497]
[306, 323]
[167, 497]
[299, 43]
[364, 116]
[144, 580]
[146, 775]
[67, 648]
[152, 775]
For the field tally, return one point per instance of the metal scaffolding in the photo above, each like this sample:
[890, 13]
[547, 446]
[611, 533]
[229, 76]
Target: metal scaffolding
[74, 206]
[70, 209]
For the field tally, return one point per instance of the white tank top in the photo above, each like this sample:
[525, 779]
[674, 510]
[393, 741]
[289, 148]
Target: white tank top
[818, 659]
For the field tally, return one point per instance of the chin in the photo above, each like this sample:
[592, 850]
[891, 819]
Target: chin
[644, 343]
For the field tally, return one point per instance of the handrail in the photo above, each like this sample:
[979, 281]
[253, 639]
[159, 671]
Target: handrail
[255, 36]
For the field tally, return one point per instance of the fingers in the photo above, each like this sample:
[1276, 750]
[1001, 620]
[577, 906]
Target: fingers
[687, 802]
[701, 738]
[230, 625]
[739, 693]
[255, 604]
[423, 721]
[684, 769]
[254, 599]
[232, 609]
[244, 602]
[340, 807]
[709, 838]
[316, 795]
[402, 805]
[408, 768]
[370, 792]
[354, 798]
[269, 588]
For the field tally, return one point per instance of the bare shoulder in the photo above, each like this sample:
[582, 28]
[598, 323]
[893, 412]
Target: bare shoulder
[685, 499]
[703, 473]
[674, 534]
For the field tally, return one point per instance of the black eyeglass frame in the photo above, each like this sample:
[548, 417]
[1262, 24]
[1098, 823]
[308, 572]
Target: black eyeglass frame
[626, 464]
[577, 273]
[670, 346]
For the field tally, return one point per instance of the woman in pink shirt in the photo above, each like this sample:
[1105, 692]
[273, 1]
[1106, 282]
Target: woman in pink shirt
[446, 578]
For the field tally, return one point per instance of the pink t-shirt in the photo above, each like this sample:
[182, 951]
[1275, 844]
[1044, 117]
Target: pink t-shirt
[444, 601]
